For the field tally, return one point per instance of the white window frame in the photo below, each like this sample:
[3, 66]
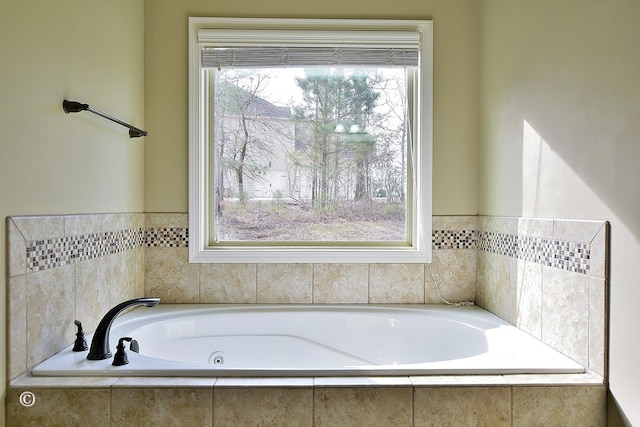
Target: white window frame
[421, 228]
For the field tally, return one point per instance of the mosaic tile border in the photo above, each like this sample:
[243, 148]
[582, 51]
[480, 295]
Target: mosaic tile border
[51, 253]
[168, 237]
[564, 255]
[454, 239]
[58, 252]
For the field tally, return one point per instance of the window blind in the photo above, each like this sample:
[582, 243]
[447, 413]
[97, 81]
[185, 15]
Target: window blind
[249, 57]
[300, 48]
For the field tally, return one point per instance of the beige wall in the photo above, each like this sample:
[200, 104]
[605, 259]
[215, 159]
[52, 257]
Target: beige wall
[51, 162]
[569, 69]
[455, 88]
[560, 122]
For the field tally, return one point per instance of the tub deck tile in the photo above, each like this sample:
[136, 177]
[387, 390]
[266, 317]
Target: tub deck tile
[136, 406]
[463, 406]
[361, 382]
[63, 382]
[164, 382]
[257, 382]
[253, 406]
[363, 406]
[458, 380]
[553, 379]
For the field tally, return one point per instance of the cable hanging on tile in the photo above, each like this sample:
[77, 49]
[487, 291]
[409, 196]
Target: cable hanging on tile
[76, 107]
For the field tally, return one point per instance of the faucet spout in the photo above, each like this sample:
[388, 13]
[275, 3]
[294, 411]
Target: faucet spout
[100, 343]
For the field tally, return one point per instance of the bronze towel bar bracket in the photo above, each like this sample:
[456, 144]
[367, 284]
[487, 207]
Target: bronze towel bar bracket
[76, 107]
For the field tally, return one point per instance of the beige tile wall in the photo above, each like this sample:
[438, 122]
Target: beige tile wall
[170, 276]
[537, 298]
[406, 401]
[43, 305]
[565, 309]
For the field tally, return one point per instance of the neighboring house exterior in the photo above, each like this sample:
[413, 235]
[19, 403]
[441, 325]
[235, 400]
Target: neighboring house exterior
[260, 135]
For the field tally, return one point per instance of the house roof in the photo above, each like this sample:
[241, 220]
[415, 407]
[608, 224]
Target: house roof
[257, 106]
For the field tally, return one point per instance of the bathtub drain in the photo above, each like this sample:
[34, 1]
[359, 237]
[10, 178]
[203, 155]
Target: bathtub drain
[217, 358]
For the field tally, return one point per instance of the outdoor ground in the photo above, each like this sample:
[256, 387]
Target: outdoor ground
[274, 220]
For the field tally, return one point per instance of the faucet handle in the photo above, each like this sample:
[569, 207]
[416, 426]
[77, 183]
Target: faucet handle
[134, 346]
[121, 355]
[81, 343]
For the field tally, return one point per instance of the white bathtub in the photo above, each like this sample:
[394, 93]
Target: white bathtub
[315, 340]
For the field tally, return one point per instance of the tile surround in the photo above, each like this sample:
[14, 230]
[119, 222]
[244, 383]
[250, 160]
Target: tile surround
[170, 276]
[403, 283]
[69, 407]
[50, 312]
[566, 255]
[340, 283]
[43, 254]
[565, 304]
[564, 406]
[284, 283]
[363, 406]
[516, 268]
[455, 273]
[496, 262]
[463, 406]
[70, 267]
[55, 252]
[161, 406]
[263, 406]
[559, 294]
[391, 401]
[228, 283]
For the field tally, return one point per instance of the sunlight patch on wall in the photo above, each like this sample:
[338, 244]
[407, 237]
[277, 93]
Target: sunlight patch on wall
[551, 187]
[532, 146]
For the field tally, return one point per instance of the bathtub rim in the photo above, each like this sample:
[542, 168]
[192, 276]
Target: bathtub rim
[181, 369]
[188, 370]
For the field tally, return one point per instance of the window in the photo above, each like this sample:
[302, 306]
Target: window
[309, 140]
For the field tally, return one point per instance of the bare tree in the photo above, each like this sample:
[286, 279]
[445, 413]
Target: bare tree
[249, 126]
[393, 135]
